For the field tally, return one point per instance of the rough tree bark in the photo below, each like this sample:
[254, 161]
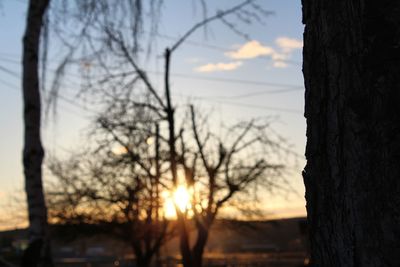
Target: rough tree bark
[38, 252]
[352, 177]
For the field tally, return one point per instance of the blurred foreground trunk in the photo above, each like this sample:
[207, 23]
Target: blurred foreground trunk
[352, 105]
[38, 251]
[198, 249]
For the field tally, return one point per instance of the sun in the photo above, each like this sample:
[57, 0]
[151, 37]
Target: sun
[180, 198]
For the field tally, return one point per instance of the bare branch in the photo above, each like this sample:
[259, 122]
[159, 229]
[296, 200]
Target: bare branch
[119, 41]
[198, 142]
[200, 24]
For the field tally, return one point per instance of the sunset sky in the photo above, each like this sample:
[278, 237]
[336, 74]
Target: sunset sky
[220, 71]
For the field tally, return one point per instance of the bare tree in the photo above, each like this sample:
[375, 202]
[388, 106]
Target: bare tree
[204, 217]
[215, 169]
[117, 183]
[218, 169]
[120, 179]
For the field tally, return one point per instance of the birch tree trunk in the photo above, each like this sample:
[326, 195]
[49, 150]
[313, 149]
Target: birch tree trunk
[352, 177]
[38, 252]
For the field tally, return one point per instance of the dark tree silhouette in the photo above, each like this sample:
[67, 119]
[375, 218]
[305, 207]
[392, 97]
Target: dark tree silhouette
[224, 175]
[221, 170]
[116, 184]
[351, 65]
[38, 252]
[227, 167]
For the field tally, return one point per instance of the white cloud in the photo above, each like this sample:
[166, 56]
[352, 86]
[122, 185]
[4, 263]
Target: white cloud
[284, 47]
[194, 60]
[280, 57]
[287, 45]
[251, 49]
[211, 67]
[280, 64]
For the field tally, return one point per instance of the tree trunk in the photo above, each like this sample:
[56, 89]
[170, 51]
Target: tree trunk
[193, 257]
[140, 258]
[352, 177]
[142, 262]
[38, 252]
[184, 244]
[198, 249]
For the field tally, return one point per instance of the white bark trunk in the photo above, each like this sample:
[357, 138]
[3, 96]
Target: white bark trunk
[37, 253]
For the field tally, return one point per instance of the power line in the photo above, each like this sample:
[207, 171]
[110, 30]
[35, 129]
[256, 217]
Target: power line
[62, 97]
[193, 43]
[22, 1]
[10, 72]
[14, 74]
[263, 92]
[239, 81]
[10, 54]
[289, 87]
[71, 102]
[286, 110]
[10, 85]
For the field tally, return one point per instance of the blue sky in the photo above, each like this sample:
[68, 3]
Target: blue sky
[240, 72]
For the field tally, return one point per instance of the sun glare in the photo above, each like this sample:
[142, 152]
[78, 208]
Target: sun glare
[179, 198]
[182, 198]
[119, 150]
